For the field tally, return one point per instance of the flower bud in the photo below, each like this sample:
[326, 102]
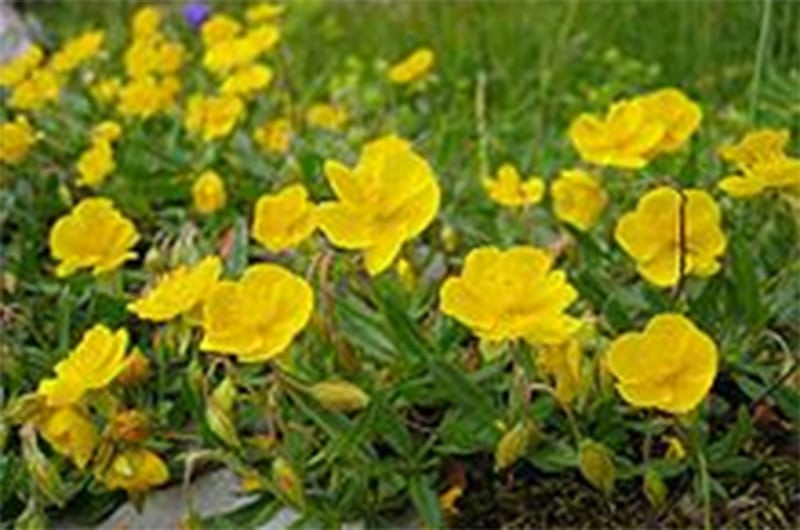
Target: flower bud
[513, 445]
[24, 408]
[288, 482]
[130, 426]
[675, 450]
[449, 238]
[136, 371]
[219, 413]
[654, 488]
[42, 471]
[339, 396]
[597, 466]
[405, 274]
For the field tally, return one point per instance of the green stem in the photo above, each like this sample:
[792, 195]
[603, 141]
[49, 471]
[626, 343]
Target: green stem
[761, 53]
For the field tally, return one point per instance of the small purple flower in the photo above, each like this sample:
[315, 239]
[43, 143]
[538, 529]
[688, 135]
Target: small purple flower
[196, 13]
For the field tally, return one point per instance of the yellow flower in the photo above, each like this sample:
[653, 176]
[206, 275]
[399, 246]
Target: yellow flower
[95, 164]
[224, 56]
[70, 432]
[274, 136]
[511, 294]
[263, 12]
[16, 70]
[112, 236]
[508, 189]
[208, 192]
[145, 22]
[18, 138]
[42, 87]
[326, 116]
[247, 80]
[213, 116]
[578, 198]
[678, 115]
[563, 363]
[219, 28]
[257, 317]
[669, 366]
[77, 51]
[761, 158]
[389, 197]
[153, 56]
[92, 365]
[106, 131]
[625, 138]
[179, 291]
[106, 90]
[412, 68]
[135, 471]
[651, 235]
[148, 96]
[285, 219]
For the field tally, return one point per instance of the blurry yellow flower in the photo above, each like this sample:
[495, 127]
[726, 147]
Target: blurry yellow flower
[678, 115]
[92, 365]
[17, 139]
[326, 116]
[578, 198]
[508, 189]
[106, 131]
[669, 366]
[77, 50]
[70, 432]
[247, 80]
[652, 235]
[145, 22]
[179, 291]
[208, 193]
[171, 56]
[42, 87]
[213, 116]
[389, 197]
[449, 499]
[18, 68]
[625, 138]
[263, 12]
[761, 158]
[95, 164]
[227, 55]
[135, 471]
[285, 219]
[148, 96]
[257, 317]
[511, 294]
[219, 28]
[274, 136]
[412, 68]
[112, 237]
[106, 90]
[562, 362]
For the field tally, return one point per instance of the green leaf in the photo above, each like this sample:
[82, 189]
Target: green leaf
[237, 261]
[462, 391]
[425, 501]
[744, 276]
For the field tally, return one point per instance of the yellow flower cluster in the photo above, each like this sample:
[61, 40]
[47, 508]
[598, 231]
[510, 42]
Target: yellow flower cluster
[635, 131]
[97, 162]
[274, 136]
[326, 116]
[152, 63]
[213, 117]
[764, 165]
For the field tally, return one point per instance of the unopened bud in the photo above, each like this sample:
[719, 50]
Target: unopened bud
[288, 482]
[219, 413]
[130, 426]
[339, 396]
[42, 471]
[405, 274]
[513, 445]
[225, 394]
[136, 371]
[597, 466]
[449, 238]
[24, 408]
[654, 488]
